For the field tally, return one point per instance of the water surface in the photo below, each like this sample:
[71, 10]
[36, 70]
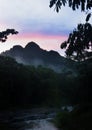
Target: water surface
[35, 119]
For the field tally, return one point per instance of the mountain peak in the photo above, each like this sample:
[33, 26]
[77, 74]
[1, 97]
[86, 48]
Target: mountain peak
[54, 53]
[32, 54]
[17, 47]
[32, 45]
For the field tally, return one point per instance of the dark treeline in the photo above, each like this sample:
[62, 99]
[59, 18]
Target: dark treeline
[28, 86]
[80, 118]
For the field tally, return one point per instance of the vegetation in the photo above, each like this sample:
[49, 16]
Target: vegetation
[78, 47]
[27, 86]
[79, 44]
[79, 119]
[74, 4]
[4, 34]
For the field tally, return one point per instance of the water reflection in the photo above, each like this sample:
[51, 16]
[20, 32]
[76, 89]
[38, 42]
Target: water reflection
[37, 125]
[27, 120]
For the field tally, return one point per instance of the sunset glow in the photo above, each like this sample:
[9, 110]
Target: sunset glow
[35, 21]
[44, 41]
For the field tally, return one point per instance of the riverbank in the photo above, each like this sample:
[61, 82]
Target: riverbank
[25, 119]
[80, 118]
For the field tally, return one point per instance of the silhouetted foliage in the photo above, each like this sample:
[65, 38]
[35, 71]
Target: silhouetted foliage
[74, 4]
[79, 42]
[78, 119]
[4, 34]
[79, 47]
[26, 85]
[88, 17]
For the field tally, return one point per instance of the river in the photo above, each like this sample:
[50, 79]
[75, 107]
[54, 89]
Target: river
[34, 119]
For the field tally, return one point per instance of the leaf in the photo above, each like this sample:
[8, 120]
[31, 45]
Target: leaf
[52, 2]
[88, 17]
[63, 45]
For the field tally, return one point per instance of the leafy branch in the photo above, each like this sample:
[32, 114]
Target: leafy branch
[4, 34]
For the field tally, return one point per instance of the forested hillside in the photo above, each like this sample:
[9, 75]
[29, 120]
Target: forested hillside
[26, 85]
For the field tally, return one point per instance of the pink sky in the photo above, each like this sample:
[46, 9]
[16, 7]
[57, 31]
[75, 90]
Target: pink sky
[36, 22]
[48, 42]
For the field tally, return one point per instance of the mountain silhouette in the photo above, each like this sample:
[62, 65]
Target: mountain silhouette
[32, 54]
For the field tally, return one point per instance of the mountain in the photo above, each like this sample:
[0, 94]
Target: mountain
[32, 54]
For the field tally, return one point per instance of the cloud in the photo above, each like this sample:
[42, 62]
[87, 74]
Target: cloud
[35, 17]
[37, 14]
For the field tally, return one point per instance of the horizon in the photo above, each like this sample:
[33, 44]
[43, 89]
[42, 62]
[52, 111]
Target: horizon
[36, 44]
[35, 21]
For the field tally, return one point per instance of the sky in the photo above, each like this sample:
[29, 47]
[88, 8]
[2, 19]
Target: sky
[35, 21]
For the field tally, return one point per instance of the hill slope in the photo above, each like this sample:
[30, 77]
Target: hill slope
[32, 54]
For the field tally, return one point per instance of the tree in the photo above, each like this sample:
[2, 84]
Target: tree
[74, 4]
[4, 34]
[79, 44]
